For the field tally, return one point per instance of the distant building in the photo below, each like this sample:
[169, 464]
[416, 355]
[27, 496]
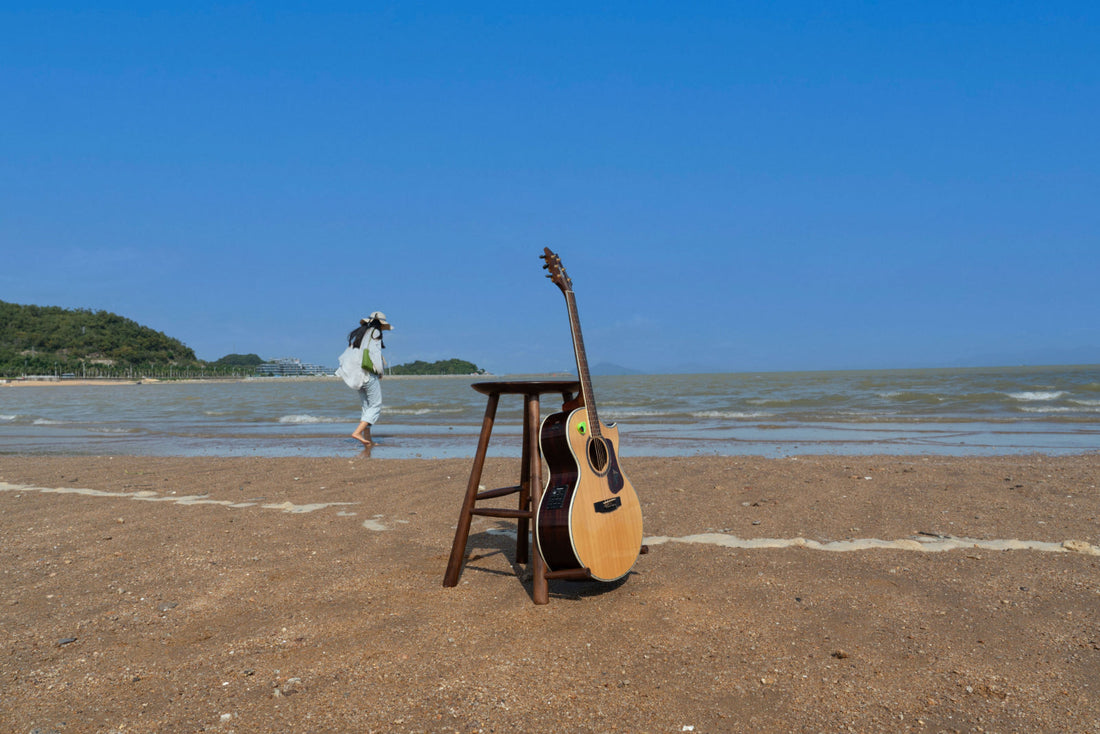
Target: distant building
[290, 367]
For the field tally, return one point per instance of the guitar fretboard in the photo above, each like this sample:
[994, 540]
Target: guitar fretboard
[582, 364]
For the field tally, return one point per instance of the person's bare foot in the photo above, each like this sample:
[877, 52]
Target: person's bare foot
[362, 440]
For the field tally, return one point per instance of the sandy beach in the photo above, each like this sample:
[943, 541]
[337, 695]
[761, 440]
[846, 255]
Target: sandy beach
[835, 594]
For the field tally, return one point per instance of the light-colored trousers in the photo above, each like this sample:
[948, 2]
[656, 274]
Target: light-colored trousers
[370, 395]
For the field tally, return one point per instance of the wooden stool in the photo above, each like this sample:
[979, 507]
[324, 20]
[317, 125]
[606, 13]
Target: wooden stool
[530, 478]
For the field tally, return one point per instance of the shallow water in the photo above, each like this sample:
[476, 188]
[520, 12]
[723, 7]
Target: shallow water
[952, 412]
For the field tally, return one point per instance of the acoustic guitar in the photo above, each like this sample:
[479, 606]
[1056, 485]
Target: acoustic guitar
[589, 517]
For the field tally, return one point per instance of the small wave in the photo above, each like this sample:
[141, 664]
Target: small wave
[47, 422]
[8, 418]
[1055, 409]
[909, 396]
[1036, 395]
[631, 413]
[730, 414]
[820, 401]
[305, 419]
[422, 411]
[1087, 403]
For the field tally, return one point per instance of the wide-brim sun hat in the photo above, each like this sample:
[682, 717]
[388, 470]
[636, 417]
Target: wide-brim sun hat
[380, 318]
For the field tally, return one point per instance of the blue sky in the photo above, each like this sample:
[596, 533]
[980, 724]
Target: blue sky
[731, 186]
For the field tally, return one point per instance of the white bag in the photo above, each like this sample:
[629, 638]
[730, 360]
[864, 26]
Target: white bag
[351, 368]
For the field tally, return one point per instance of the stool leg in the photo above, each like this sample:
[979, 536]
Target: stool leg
[462, 532]
[530, 448]
[540, 589]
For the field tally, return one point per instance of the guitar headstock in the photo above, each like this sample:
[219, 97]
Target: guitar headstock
[556, 270]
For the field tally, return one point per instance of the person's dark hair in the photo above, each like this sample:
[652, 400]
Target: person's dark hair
[355, 337]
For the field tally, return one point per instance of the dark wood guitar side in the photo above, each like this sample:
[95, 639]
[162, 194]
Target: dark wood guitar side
[589, 517]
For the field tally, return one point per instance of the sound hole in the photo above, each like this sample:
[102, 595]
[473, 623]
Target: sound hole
[597, 454]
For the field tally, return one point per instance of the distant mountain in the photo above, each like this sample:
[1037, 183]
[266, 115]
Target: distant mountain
[605, 369]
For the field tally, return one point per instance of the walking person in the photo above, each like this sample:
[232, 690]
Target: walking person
[362, 367]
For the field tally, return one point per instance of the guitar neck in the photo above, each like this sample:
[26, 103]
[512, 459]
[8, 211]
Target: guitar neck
[582, 364]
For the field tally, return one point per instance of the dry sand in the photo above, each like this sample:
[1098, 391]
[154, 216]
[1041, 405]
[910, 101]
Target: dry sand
[296, 595]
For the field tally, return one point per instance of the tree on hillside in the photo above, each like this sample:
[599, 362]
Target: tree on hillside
[240, 360]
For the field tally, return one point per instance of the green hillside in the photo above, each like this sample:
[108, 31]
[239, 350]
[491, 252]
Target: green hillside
[442, 367]
[47, 340]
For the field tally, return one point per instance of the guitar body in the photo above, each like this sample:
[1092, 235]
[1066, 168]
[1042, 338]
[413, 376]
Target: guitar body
[589, 516]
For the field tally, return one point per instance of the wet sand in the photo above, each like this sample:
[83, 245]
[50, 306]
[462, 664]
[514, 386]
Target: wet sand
[867, 594]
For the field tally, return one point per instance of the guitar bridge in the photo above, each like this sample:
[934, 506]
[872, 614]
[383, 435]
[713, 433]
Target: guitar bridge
[609, 505]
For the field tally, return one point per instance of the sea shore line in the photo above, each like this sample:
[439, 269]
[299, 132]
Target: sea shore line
[84, 382]
[837, 593]
[97, 381]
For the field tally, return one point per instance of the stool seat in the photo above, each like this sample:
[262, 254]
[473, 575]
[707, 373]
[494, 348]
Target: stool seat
[527, 387]
[530, 481]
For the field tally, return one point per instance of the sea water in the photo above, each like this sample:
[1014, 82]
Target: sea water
[1052, 410]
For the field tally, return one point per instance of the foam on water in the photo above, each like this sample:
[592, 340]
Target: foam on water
[732, 414]
[424, 411]
[308, 419]
[1037, 395]
[935, 544]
